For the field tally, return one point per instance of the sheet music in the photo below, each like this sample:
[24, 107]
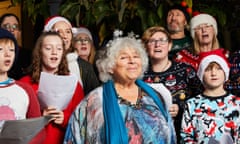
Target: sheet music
[159, 87]
[22, 131]
[56, 90]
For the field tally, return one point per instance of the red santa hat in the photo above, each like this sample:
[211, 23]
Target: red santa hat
[54, 19]
[217, 56]
[202, 19]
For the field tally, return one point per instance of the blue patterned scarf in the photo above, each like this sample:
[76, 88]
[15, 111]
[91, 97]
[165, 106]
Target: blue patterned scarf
[115, 129]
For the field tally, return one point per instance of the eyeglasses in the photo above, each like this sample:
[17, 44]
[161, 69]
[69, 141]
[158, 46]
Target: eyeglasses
[82, 41]
[161, 41]
[10, 27]
[204, 26]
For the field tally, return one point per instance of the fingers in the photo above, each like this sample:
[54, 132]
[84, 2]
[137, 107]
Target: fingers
[174, 110]
[57, 115]
[49, 110]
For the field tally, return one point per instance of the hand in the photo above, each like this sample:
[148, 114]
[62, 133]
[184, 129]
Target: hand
[57, 115]
[174, 110]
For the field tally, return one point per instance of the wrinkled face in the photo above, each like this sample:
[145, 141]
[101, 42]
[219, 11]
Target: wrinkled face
[52, 52]
[82, 44]
[214, 76]
[128, 65]
[65, 31]
[11, 24]
[158, 46]
[204, 33]
[7, 55]
[176, 21]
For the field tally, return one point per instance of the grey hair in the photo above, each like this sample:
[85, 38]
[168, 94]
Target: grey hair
[107, 57]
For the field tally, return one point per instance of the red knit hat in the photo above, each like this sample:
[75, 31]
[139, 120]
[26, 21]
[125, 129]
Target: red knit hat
[205, 58]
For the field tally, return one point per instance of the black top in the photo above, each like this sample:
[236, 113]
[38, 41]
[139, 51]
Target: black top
[88, 75]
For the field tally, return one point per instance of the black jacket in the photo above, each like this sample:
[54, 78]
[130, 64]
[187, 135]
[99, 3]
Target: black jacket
[88, 75]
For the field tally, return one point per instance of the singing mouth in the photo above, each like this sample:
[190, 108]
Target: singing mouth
[53, 58]
[7, 62]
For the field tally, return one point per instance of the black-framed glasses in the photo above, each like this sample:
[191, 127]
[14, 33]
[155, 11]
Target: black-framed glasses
[10, 27]
[82, 41]
[161, 41]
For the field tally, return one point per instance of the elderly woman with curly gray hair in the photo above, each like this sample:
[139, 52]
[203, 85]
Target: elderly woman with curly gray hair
[124, 109]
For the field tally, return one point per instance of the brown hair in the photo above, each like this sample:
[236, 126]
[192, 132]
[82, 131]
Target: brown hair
[7, 41]
[213, 64]
[37, 58]
[148, 33]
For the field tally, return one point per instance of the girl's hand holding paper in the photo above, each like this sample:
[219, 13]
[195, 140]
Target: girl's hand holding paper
[57, 115]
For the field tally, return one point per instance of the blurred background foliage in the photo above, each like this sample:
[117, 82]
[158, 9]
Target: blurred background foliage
[103, 16]
[106, 15]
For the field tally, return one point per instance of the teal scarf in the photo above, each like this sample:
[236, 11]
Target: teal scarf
[115, 129]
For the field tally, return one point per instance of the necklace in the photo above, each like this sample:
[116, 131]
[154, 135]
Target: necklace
[136, 104]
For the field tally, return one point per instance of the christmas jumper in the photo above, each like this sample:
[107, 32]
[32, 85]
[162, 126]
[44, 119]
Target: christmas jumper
[54, 132]
[211, 119]
[178, 45]
[189, 57]
[233, 84]
[182, 81]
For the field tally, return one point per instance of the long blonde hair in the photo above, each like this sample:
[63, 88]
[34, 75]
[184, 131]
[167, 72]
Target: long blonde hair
[215, 44]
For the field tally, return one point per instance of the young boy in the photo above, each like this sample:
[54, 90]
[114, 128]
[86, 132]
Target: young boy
[214, 115]
[17, 100]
